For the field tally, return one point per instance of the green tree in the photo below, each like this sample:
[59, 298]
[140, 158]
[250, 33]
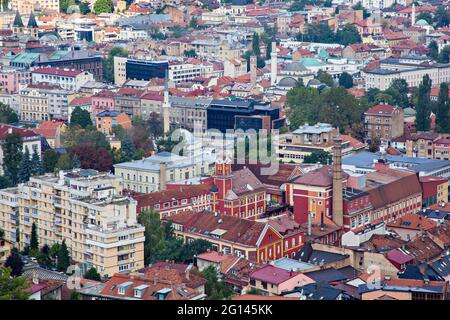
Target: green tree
[444, 55]
[34, 242]
[325, 78]
[434, 50]
[374, 145]
[255, 44]
[268, 50]
[15, 288]
[5, 182]
[25, 167]
[383, 97]
[423, 105]
[398, 90]
[103, 6]
[320, 156]
[44, 256]
[63, 257]
[108, 63]
[12, 156]
[443, 109]
[128, 148]
[65, 4]
[346, 80]
[15, 263]
[190, 53]
[193, 23]
[92, 274]
[50, 160]
[348, 35]
[80, 117]
[193, 248]
[65, 162]
[7, 115]
[154, 235]
[36, 163]
[442, 17]
[319, 33]
[425, 16]
[214, 288]
[84, 8]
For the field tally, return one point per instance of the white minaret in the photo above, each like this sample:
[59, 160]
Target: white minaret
[165, 108]
[253, 73]
[413, 15]
[273, 64]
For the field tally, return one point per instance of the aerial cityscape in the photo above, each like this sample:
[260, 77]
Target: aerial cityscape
[230, 150]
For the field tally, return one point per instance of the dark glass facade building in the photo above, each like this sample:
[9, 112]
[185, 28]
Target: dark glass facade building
[146, 70]
[242, 114]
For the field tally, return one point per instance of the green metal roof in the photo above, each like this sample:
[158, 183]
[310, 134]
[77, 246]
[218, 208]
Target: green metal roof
[311, 62]
[25, 58]
[57, 55]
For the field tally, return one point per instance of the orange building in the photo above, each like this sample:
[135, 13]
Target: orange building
[106, 120]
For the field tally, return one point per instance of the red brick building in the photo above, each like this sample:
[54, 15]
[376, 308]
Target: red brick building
[238, 193]
[253, 240]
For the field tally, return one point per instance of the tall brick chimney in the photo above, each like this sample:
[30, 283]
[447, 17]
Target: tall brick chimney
[162, 176]
[337, 182]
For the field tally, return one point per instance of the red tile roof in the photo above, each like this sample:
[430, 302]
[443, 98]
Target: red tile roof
[272, 274]
[240, 231]
[412, 221]
[384, 109]
[24, 133]
[149, 287]
[57, 71]
[177, 193]
[321, 177]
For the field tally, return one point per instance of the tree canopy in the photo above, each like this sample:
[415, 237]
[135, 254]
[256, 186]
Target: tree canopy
[103, 6]
[15, 288]
[7, 115]
[80, 117]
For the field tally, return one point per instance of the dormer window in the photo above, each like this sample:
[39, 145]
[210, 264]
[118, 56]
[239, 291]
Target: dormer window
[123, 287]
[140, 290]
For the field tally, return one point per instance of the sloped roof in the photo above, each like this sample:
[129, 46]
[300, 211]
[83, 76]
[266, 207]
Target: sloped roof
[241, 231]
[18, 23]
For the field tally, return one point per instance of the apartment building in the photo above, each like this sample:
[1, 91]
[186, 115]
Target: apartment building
[107, 120]
[43, 101]
[180, 71]
[9, 214]
[410, 69]
[189, 113]
[127, 100]
[420, 144]
[296, 145]
[27, 6]
[11, 79]
[68, 79]
[441, 149]
[85, 208]
[151, 174]
[384, 122]
[30, 140]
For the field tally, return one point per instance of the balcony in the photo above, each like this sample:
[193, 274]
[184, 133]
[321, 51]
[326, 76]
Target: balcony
[27, 223]
[58, 222]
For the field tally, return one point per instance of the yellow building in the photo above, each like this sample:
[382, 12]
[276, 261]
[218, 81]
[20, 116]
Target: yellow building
[5, 250]
[87, 210]
[9, 213]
